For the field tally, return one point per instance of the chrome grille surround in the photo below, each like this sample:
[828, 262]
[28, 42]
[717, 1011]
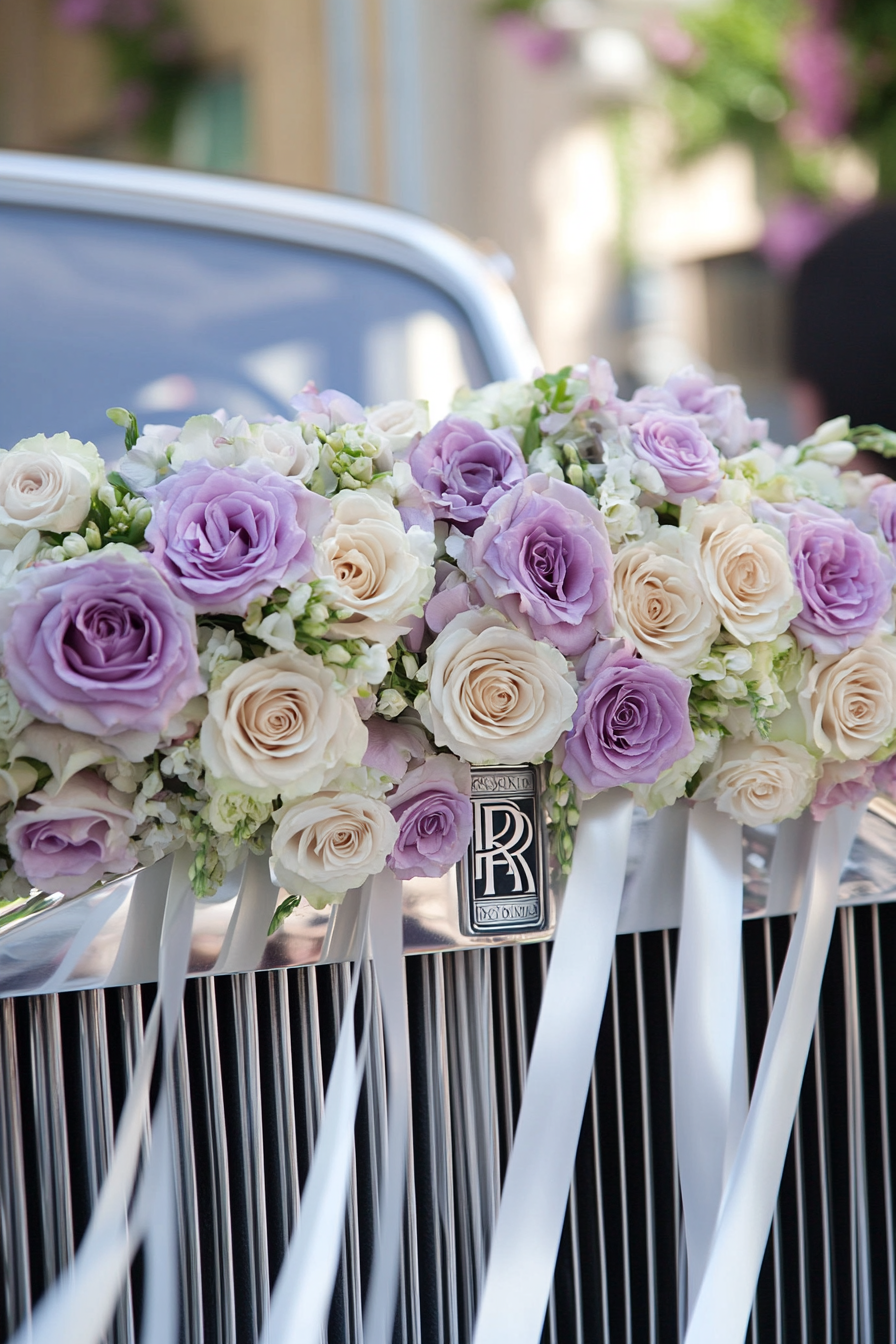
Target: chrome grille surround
[251, 1064]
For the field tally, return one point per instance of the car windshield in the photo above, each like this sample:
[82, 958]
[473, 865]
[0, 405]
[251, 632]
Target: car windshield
[171, 321]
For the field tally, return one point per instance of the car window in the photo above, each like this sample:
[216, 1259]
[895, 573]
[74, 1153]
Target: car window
[170, 321]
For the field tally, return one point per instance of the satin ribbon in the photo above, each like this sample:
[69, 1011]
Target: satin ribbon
[539, 1173]
[723, 1304]
[300, 1302]
[79, 1305]
[386, 942]
[709, 1064]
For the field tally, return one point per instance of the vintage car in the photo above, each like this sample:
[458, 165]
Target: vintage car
[175, 294]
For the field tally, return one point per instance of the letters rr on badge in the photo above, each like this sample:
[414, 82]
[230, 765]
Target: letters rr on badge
[503, 877]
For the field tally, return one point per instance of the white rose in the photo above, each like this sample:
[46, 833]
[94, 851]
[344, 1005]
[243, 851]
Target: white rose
[215, 439]
[373, 568]
[747, 572]
[758, 783]
[324, 846]
[849, 702]
[283, 447]
[46, 484]
[495, 696]
[279, 724]
[399, 422]
[661, 603]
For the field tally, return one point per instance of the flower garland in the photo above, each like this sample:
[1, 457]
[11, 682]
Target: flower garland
[297, 637]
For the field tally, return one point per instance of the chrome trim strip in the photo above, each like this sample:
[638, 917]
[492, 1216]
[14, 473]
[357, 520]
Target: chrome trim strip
[289, 214]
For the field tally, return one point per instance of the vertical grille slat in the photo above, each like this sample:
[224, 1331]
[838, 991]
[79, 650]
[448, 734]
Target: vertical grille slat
[50, 1129]
[186, 1192]
[210, 1145]
[883, 1090]
[13, 1206]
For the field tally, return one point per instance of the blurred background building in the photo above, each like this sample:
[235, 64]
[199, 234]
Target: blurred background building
[649, 173]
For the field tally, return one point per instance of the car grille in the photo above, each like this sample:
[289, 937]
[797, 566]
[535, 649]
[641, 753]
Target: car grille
[251, 1066]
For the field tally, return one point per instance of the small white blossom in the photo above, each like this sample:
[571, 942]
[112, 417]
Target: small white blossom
[390, 704]
[216, 646]
[278, 631]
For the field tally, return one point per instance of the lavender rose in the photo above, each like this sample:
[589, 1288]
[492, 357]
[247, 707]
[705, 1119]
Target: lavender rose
[463, 468]
[883, 503]
[631, 722]
[720, 410]
[543, 558]
[69, 841]
[682, 454]
[225, 536]
[101, 645]
[435, 818]
[845, 582]
[842, 782]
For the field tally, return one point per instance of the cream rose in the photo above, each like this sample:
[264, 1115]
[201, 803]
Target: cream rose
[661, 603]
[399, 422]
[373, 568]
[758, 783]
[849, 702]
[746, 570]
[495, 696]
[47, 484]
[324, 846]
[279, 724]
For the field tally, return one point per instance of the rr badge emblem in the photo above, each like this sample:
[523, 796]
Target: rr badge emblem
[503, 876]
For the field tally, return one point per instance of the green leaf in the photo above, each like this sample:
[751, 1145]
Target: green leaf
[874, 439]
[283, 911]
[128, 422]
[532, 436]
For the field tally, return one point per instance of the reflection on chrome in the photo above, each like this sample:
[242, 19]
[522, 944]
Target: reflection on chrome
[51, 943]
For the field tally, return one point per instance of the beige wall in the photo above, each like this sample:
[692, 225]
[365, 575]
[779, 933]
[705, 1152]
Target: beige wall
[279, 47]
[53, 85]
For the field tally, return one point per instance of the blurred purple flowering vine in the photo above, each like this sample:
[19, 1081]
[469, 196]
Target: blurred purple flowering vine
[152, 58]
[798, 81]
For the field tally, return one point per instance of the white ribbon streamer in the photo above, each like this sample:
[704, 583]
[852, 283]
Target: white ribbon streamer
[539, 1173]
[300, 1302]
[708, 1043]
[79, 1305]
[386, 944]
[721, 1312]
